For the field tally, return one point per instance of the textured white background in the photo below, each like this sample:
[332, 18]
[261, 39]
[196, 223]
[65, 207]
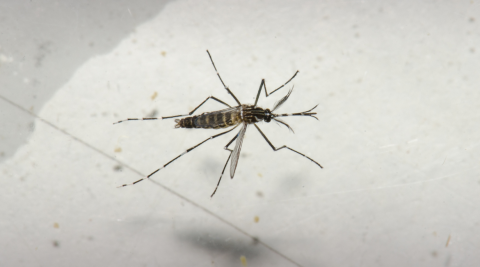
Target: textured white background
[398, 134]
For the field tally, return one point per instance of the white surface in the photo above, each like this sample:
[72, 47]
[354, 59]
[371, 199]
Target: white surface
[42, 44]
[397, 85]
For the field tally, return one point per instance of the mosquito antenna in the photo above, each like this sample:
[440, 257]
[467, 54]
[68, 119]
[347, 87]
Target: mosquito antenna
[284, 123]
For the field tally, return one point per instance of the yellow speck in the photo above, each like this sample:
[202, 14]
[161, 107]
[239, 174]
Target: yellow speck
[118, 150]
[56, 225]
[256, 219]
[154, 95]
[448, 241]
[163, 53]
[260, 175]
[243, 260]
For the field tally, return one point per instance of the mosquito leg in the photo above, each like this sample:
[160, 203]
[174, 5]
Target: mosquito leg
[226, 148]
[169, 117]
[195, 109]
[186, 151]
[259, 91]
[137, 119]
[226, 88]
[276, 149]
[265, 87]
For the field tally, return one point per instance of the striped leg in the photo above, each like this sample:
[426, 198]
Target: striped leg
[226, 148]
[186, 151]
[265, 87]
[276, 149]
[169, 117]
[195, 109]
[226, 88]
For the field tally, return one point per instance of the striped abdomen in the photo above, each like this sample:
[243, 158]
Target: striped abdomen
[212, 120]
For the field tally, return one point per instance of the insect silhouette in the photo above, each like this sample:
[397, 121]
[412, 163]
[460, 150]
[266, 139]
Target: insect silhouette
[241, 115]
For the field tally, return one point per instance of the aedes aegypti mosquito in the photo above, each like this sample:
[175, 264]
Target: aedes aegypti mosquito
[232, 116]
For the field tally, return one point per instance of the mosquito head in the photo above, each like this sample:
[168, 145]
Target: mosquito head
[268, 115]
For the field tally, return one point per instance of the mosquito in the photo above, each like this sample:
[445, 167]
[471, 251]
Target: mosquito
[241, 115]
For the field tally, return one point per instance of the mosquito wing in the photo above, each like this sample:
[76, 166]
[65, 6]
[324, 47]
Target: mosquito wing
[236, 151]
[281, 101]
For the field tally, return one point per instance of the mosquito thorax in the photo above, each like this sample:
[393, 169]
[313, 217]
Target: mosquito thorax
[268, 115]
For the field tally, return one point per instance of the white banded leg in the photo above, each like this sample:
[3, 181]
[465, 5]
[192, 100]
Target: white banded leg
[186, 151]
[137, 119]
[169, 117]
[195, 109]
[276, 149]
[218, 74]
[265, 87]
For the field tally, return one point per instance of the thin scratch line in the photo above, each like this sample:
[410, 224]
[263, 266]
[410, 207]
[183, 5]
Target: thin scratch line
[387, 146]
[357, 190]
[384, 187]
[155, 182]
[26, 243]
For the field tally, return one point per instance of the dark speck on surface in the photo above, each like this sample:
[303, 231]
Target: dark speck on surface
[118, 168]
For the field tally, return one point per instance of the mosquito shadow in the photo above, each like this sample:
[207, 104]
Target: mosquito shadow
[216, 243]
